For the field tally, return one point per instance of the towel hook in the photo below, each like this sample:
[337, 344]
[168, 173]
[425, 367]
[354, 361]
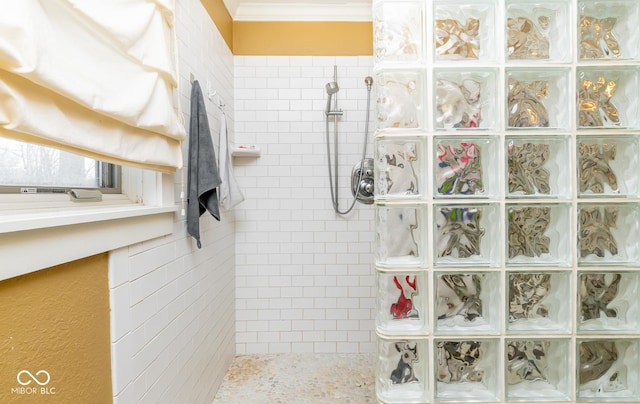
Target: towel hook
[211, 93]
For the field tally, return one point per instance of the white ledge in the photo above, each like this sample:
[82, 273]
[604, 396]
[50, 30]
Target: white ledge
[245, 151]
[12, 221]
[31, 240]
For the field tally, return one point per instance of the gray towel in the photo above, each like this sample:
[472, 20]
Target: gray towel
[203, 176]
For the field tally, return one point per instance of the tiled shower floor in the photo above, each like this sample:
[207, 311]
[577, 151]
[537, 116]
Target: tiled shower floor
[299, 379]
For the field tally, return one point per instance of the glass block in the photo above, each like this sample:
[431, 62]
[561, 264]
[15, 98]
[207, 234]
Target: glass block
[402, 370]
[608, 30]
[398, 29]
[402, 303]
[538, 369]
[608, 370]
[538, 303]
[538, 166]
[539, 234]
[608, 234]
[467, 302]
[608, 166]
[538, 98]
[401, 235]
[538, 31]
[465, 99]
[464, 235]
[399, 99]
[400, 167]
[465, 167]
[608, 97]
[465, 31]
[608, 301]
[467, 370]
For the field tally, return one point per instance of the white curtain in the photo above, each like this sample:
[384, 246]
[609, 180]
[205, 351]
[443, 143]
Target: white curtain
[93, 77]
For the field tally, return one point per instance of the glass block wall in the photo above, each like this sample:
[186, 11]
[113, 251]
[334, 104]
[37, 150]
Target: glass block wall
[507, 200]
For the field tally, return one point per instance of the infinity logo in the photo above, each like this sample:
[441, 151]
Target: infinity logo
[33, 378]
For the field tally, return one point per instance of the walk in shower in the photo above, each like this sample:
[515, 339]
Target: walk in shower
[304, 283]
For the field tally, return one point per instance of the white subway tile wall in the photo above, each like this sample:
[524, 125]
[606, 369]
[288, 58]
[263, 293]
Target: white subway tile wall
[287, 272]
[304, 275]
[173, 314]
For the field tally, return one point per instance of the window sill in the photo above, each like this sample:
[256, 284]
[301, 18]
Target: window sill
[35, 236]
[35, 218]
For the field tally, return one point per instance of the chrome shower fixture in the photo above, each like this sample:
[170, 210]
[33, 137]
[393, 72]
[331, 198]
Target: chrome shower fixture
[362, 178]
[332, 88]
[362, 181]
[368, 81]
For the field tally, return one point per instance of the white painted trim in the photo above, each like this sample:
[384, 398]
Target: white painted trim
[232, 6]
[28, 251]
[250, 11]
[41, 231]
[32, 220]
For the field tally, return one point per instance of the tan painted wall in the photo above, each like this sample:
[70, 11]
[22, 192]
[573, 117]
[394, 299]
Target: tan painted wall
[57, 320]
[291, 38]
[307, 38]
[221, 18]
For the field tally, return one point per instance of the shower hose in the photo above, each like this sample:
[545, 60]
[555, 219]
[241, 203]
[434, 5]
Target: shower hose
[334, 186]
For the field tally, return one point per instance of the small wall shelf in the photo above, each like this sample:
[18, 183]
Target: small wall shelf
[245, 151]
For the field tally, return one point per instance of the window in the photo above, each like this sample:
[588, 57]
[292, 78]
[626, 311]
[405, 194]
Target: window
[32, 168]
[45, 228]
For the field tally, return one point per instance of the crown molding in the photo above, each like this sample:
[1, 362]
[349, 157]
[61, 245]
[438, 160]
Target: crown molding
[232, 6]
[299, 11]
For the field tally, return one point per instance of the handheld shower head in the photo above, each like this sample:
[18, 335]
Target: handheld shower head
[332, 88]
